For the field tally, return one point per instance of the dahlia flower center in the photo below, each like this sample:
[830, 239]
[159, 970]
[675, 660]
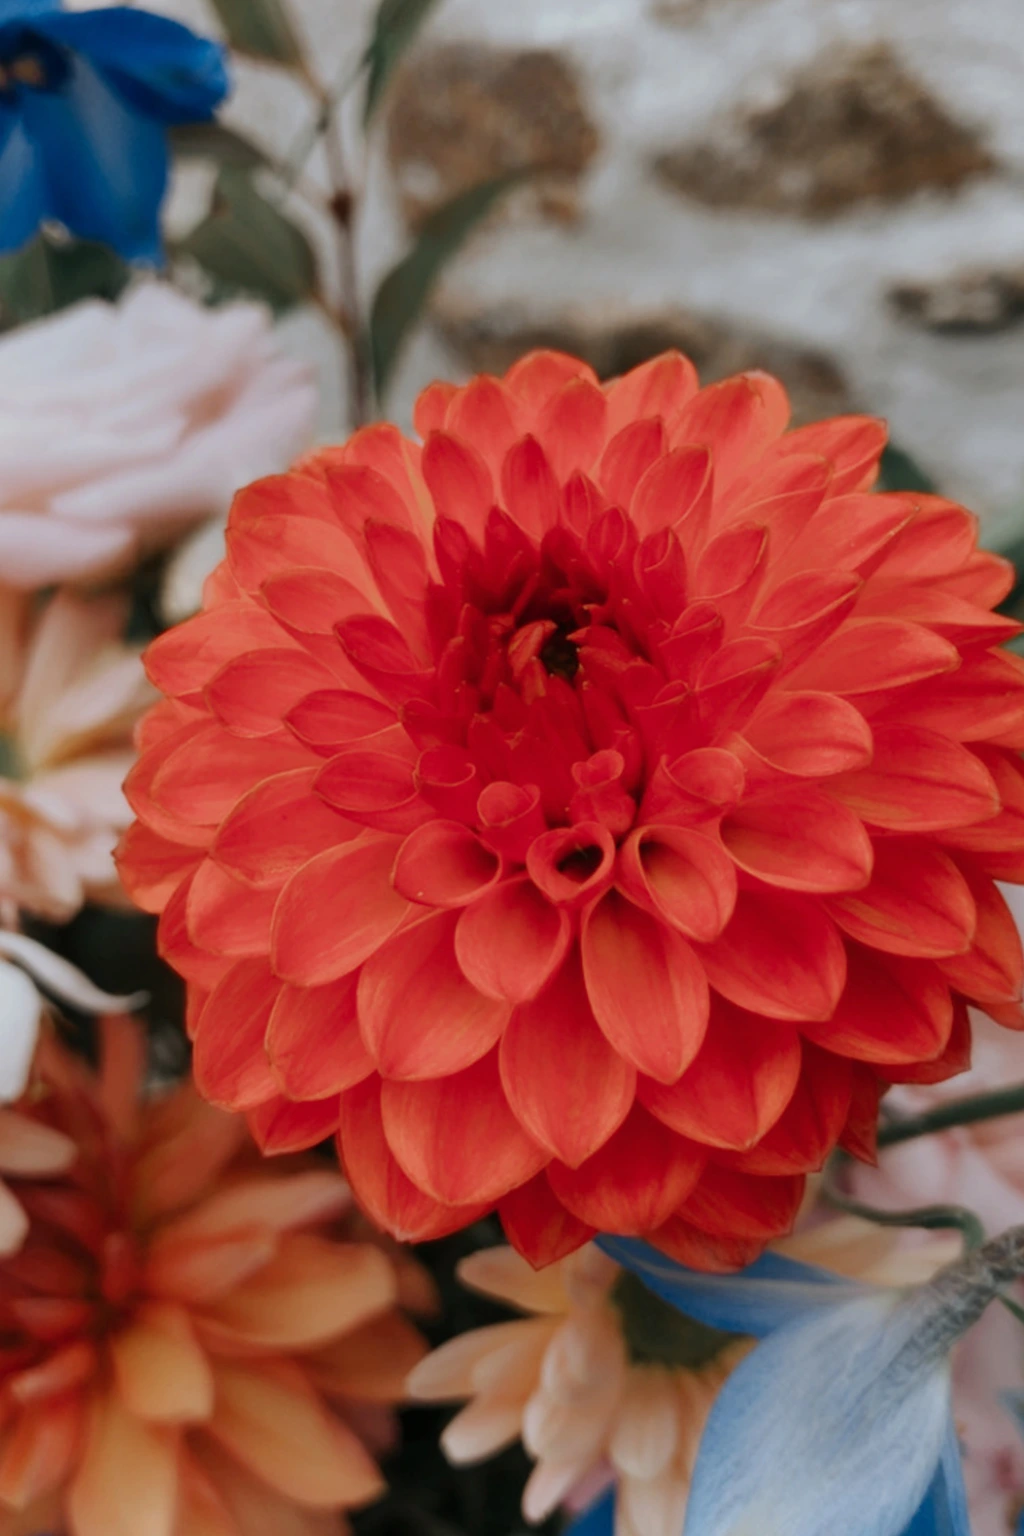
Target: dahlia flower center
[656, 1334]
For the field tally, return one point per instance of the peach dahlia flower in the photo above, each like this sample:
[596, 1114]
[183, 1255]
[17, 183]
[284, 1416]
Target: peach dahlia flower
[70, 695]
[589, 811]
[121, 424]
[603, 1380]
[189, 1346]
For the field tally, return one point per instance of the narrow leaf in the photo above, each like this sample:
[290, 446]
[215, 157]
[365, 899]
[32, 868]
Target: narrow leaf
[247, 244]
[401, 297]
[45, 276]
[213, 141]
[262, 28]
[395, 26]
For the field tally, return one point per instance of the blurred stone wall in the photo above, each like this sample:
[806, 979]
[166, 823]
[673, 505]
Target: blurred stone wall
[833, 189]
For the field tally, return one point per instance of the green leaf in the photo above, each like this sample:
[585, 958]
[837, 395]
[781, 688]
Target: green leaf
[402, 295]
[902, 473]
[213, 141]
[47, 275]
[262, 28]
[248, 245]
[395, 26]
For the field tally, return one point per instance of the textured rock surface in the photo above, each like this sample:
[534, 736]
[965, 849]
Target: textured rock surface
[874, 285]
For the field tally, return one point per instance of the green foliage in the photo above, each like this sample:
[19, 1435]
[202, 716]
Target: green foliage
[212, 141]
[261, 28]
[401, 297]
[395, 26]
[47, 275]
[902, 473]
[248, 245]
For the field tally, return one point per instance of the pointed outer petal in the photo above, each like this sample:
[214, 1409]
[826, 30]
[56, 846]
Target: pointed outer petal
[397, 560]
[919, 781]
[1005, 832]
[683, 877]
[801, 840]
[162, 1373]
[253, 693]
[202, 779]
[538, 375]
[628, 456]
[857, 531]
[126, 1483]
[964, 623]
[485, 414]
[853, 444]
[387, 1195]
[659, 387]
[785, 492]
[731, 567]
[638, 1179]
[511, 817]
[992, 970]
[809, 1127]
[777, 1447]
[732, 1204]
[733, 682]
[741, 1081]
[39, 1454]
[418, 1015]
[371, 1363]
[780, 955]
[457, 1138]
[264, 547]
[676, 487]
[229, 1061]
[374, 788]
[860, 1133]
[646, 986]
[511, 941]
[873, 655]
[138, 787]
[379, 653]
[310, 1292]
[955, 1057]
[504, 1274]
[771, 1293]
[336, 911]
[703, 1251]
[538, 1225]
[529, 489]
[228, 916]
[152, 867]
[277, 827]
[802, 612]
[201, 969]
[278, 1125]
[984, 578]
[277, 1427]
[572, 865]
[916, 903]
[571, 425]
[330, 718]
[566, 1084]
[811, 735]
[444, 864]
[459, 482]
[363, 492]
[892, 1010]
[984, 700]
[737, 419]
[181, 661]
[940, 539]
[313, 1040]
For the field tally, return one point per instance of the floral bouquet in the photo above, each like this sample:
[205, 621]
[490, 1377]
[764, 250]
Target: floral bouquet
[575, 834]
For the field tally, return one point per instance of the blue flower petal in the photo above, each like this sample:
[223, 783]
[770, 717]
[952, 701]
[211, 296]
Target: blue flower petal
[835, 1423]
[26, 10]
[23, 188]
[105, 165]
[599, 1519]
[158, 66]
[944, 1511]
[769, 1294]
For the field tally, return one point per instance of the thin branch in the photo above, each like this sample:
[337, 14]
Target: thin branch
[970, 1110]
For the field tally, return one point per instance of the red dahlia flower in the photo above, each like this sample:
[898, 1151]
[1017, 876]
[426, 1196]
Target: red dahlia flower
[588, 812]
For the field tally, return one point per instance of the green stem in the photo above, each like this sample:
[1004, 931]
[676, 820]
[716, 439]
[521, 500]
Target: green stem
[967, 1111]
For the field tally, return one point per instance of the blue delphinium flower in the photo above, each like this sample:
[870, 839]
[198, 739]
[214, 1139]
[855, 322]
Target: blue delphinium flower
[85, 102]
[839, 1422]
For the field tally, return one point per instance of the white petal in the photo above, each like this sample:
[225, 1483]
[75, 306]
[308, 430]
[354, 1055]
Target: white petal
[487, 1425]
[655, 1506]
[13, 1223]
[646, 1429]
[20, 1012]
[504, 1273]
[448, 1372]
[548, 1484]
[63, 979]
[28, 1147]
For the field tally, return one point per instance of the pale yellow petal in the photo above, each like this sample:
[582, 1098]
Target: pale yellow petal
[502, 1272]
[487, 1425]
[162, 1373]
[448, 1373]
[646, 1429]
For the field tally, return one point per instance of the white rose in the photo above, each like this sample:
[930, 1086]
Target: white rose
[120, 425]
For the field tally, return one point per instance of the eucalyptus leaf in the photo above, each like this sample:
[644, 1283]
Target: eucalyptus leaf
[247, 244]
[402, 295]
[262, 28]
[900, 472]
[47, 275]
[213, 141]
[395, 26]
